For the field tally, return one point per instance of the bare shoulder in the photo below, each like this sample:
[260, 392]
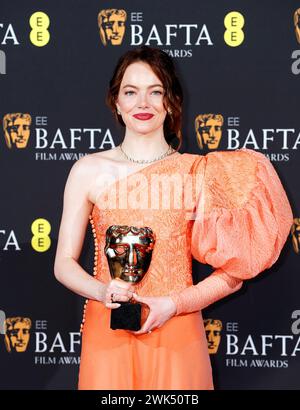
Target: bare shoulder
[102, 158]
[92, 168]
[96, 162]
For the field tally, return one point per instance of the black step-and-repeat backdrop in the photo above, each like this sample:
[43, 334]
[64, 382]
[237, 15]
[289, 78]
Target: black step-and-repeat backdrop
[239, 62]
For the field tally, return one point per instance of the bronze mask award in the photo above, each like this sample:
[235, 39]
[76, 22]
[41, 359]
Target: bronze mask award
[129, 251]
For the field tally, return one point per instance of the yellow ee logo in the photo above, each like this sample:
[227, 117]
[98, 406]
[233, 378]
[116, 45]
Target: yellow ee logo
[41, 229]
[234, 35]
[39, 35]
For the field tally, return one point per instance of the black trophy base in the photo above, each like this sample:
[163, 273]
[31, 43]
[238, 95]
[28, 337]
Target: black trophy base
[127, 316]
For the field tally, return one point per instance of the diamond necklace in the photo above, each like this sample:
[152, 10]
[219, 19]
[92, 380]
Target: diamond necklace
[169, 151]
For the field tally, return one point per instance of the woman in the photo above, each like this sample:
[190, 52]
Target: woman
[236, 217]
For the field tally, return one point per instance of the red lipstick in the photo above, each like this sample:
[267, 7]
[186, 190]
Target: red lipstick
[143, 116]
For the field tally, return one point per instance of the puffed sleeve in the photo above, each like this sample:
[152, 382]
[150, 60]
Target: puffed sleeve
[242, 221]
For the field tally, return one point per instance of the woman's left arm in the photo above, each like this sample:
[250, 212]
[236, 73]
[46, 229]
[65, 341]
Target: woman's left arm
[243, 218]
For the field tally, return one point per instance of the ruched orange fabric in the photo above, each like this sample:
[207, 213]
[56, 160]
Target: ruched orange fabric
[240, 220]
[243, 218]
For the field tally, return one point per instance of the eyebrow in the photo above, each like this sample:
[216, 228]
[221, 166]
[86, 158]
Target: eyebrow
[150, 86]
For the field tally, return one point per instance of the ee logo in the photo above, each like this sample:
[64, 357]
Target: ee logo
[41, 229]
[234, 35]
[39, 35]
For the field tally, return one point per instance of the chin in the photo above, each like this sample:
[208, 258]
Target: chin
[146, 128]
[143, 130]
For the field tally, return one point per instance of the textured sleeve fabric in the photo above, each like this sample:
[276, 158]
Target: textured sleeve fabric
[242, 221]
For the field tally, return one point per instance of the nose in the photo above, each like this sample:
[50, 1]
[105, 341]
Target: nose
[212, 131]
[20, 130]
[132, 257]
[115, 27]
[210, 337]
[143, 100]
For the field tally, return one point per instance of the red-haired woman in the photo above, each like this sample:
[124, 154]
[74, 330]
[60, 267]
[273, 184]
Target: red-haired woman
[226, 209]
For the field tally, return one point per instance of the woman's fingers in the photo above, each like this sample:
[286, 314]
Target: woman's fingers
[147, 300]
[147, 327]
[119, 288]
[115, 296]
[118, 291]
[119, 295]
[111, 305]
[123, 292]
[121, 284]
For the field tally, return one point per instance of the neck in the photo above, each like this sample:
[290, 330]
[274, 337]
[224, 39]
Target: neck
[144, 146]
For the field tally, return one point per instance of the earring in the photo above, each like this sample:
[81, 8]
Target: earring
[118, 111]
[170, 111]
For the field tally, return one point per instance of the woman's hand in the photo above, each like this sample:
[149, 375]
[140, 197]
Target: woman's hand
[162, 308]
[116, 290]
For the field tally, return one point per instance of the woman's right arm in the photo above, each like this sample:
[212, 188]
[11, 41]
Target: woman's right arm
[72, 231]
[75, 217]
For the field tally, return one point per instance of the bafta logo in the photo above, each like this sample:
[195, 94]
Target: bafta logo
[213, 328]
[209, 130]
[297, 24]
[17, 333]
[16, 129]
[111, 23]
[295, 232]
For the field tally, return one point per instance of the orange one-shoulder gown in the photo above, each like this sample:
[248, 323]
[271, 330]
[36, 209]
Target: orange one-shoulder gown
[174, 356]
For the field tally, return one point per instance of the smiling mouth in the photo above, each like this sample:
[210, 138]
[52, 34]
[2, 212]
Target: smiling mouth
[143, 117]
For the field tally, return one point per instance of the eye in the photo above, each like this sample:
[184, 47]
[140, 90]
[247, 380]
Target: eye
[120, 250]
[205, 129]
[141, 251]
[157, 92]
[129, 92]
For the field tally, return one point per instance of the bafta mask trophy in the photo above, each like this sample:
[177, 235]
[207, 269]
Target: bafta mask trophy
[129, 251]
